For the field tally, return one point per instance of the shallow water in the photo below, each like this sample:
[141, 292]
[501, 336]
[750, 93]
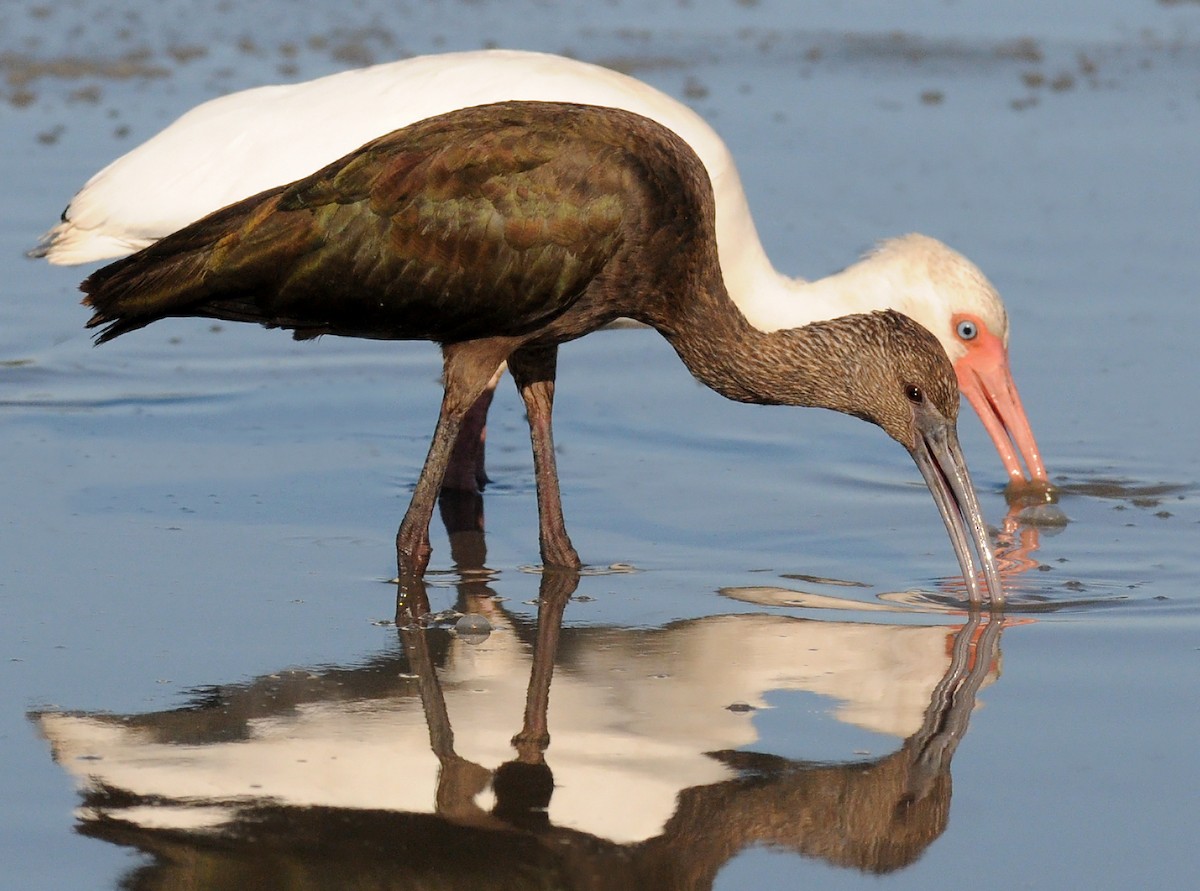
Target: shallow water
[772, 685]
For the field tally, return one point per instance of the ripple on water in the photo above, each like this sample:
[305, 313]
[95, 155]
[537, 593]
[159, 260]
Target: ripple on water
[1134, 492]
[919, 601]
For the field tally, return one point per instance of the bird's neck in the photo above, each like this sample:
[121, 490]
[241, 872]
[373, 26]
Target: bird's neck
[910, 274]
[816, 365]
[778, 302]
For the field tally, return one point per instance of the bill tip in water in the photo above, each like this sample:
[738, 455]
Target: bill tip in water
[1026, 493]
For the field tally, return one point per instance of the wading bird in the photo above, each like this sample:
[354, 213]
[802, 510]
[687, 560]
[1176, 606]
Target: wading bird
[238, 145]
[502, 231]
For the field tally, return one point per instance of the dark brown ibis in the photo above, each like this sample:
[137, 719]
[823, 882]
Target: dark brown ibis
[502, 231]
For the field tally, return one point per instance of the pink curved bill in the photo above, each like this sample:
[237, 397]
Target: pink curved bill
[985, 379]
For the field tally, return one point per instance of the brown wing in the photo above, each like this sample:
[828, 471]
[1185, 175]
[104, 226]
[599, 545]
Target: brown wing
[471, 224]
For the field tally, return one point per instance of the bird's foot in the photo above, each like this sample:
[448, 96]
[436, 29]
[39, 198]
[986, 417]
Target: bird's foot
[560, 554]
[412, 553]
[412, 600]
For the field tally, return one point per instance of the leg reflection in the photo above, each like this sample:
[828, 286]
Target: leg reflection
[525, 784]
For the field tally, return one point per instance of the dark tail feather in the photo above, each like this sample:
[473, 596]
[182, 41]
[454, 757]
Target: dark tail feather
[141, 289]
[174, 277]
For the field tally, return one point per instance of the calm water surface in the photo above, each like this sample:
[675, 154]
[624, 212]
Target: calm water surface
[765, 680]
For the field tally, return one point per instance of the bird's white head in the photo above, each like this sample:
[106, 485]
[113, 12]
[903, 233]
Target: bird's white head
[937, 286]
[949, 295]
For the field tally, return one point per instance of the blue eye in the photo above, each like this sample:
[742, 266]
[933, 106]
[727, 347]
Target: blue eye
[967, 330]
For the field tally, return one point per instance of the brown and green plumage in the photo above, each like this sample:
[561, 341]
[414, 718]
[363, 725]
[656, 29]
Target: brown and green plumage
[436, 233]
[502, 231]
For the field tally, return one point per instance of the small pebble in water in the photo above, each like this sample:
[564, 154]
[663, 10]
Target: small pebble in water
[473, 628]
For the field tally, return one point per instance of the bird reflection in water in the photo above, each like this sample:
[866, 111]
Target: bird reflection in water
[365, 807]
[1032, 512]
